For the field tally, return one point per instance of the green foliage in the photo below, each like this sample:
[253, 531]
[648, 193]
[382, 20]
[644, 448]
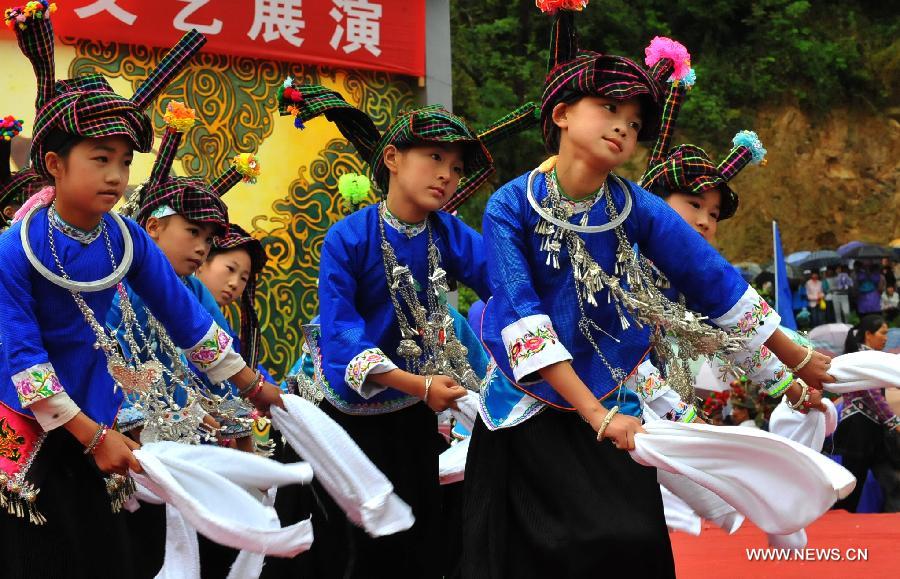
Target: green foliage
[746, 53]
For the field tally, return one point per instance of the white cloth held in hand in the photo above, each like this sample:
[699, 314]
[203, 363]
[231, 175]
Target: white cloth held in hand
[809, 429]
[755, 472]
[679, 516]
[701, 500]
[864, 370]
[194, 480]
[452, 463]
[356, 485]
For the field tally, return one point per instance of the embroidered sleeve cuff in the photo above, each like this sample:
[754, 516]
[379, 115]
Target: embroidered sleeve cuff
[36, 383]
[751, 318]
[55, 411]
[370, 361]
[531, 344]
[214, 355]
[893, 422]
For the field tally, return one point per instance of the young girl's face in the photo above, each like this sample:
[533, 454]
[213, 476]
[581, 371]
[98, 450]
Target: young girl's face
[226, 274]
[425, 175]
[700, 211]
[185, 243]
[605, 130]
[91, 179]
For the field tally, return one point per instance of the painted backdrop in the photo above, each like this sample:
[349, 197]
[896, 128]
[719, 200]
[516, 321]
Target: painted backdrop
[295, 200]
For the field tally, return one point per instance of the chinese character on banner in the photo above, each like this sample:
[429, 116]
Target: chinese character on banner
[181, 22]
[279, 19]
[110, 6]
[363, 26]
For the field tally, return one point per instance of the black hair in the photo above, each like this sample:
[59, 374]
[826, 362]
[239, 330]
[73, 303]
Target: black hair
[61, 143]
[554, 136]
[857, 334]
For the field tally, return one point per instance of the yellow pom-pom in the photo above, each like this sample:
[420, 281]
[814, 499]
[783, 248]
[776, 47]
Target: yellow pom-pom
[247, 165]
[548, 165]
[179, 117]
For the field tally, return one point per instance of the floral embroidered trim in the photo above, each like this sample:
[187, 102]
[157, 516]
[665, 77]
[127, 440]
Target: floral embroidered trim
[36, 383]
[683, 412]
[360, 366]
[11, 441]
[531, 343]
[407, 229]
[493, 375]
[210, 349]
[752, 319]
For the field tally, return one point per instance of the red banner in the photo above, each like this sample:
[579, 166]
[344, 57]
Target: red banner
[384, 35]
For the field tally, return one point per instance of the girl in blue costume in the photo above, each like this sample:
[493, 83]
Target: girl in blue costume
[388, 338]
[572, 316]
[59, 393]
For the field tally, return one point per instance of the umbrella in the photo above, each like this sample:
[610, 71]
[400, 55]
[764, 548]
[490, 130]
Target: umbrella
[819, 259]
[830, 336]
[794, 273]
[849, 246]
[796, 257]
[866, 251]
[895, 243]
[893, 339]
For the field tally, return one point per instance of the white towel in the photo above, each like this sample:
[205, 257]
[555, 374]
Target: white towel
[809, 429]
[468, 411]
[778, 484]
[865, 370]
[679, 516]
[701, 500]
[355, 484]
[225, 511]
[452, 463]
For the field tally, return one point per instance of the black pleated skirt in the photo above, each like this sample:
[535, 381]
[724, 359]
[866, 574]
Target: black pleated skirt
[405, 446]
[544, 499]
[82, 538]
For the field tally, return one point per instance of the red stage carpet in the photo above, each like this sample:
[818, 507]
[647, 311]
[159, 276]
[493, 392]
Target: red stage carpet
[838, 534]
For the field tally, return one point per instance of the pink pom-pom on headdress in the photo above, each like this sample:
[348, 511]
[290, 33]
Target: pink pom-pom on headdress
[551, 6]
[662, 47]
[43, 197]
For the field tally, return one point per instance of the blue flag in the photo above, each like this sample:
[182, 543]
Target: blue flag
[783, 298]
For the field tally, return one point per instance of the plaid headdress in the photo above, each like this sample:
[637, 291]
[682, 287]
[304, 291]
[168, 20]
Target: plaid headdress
[430, 124]
[87, 106]
[15, 187]
[573, 73]
[191, 197]
[688, 169]
[238, 238]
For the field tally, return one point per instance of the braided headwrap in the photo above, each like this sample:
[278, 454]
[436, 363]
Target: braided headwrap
[238, 238]
[190, 197]
[87, 106]
[574, 73]
[430, 124]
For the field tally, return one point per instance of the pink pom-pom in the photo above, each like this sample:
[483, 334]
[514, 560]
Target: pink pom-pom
[43, 197]
[662, 47]
[551, 6]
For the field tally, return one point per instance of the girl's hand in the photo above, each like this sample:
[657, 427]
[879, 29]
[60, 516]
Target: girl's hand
[443, 393]
[621, 431]
[268, 395]
[115, 456]
[815, 373]
[815, 398]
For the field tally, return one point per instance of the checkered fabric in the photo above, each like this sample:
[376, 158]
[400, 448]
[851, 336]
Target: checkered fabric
[236, 238]
[165, 157]
[524, 117]
[734, 162]
[36, 42]
[316, 100]
[670, 110]
[432, 124]
[19, 186]
[688, 169]
[225, 181]
[574, 72]
[171, 65]
[88, 107]
[189, 197]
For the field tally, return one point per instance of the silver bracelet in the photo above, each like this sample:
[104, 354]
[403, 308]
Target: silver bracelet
[801, 365]
[428, 380]
[804, 394]
[606, 420]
